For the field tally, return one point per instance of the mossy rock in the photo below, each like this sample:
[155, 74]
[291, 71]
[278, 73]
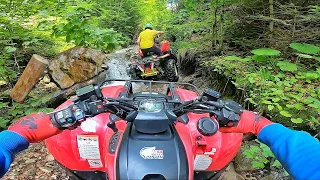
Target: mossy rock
[242, 163]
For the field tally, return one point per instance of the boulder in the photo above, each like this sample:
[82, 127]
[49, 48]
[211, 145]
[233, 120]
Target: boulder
[231, 174]
[76, 65]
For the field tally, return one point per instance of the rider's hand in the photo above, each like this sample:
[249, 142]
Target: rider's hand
[250, 122]
[35, 127]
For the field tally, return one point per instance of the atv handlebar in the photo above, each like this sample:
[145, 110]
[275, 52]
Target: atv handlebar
[90, 102]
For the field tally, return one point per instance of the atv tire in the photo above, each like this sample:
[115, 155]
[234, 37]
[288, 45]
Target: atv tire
[171, 71]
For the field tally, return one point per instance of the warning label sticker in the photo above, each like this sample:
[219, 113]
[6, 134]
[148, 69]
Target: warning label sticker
[95, 163]
[88, 147]
[202, 162]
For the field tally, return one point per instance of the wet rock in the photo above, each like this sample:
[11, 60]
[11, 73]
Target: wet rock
[32, 172]
[272, 176]
[29, 161]
[242, 163]
[76, 65]
[50, 157]
[231, 174]
[46, 169]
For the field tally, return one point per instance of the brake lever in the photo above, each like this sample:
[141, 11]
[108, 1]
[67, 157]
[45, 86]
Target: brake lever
[185, 104]
[201, 106]
[217, 104]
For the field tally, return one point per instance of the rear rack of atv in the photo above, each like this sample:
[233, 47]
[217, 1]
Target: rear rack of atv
[171, 86]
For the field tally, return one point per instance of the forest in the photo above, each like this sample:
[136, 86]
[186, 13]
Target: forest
[264, 54]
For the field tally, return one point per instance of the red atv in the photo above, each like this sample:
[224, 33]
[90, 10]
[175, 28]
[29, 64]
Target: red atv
[145, 135]
[156, 67]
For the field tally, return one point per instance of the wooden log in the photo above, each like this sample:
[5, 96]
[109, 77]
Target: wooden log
[31, 75]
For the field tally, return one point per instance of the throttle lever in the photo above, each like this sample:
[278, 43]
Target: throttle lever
[216, 104]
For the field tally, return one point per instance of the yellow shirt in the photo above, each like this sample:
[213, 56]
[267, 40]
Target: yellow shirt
[147, 38]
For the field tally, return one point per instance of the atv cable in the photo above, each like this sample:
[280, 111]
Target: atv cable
[121, 102]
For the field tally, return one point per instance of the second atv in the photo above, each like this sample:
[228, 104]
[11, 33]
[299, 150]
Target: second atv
[156, 67]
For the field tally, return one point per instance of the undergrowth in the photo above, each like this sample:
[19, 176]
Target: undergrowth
[286, 89]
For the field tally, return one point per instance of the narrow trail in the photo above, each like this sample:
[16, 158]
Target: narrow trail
[119, 61]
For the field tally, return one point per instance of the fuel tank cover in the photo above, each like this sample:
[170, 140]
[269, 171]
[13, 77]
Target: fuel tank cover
[207, 126]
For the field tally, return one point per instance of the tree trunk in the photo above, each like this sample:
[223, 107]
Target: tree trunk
[214, 26]
[271, 11]
[221, 29]
[34, 70]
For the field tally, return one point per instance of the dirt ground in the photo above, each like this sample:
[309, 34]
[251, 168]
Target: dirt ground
[35, 163]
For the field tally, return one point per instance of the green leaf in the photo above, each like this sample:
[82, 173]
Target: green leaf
[3, 105]
[260, 58]
[265, 52]
[248, 154]
[278, 106]
[276, 164]
[257, 164]
[286, 173]
[10, 49]
[296, 120]
[251, 80]
[270, 107]
[305, 48]
[30, 110]
[254, 148]
[285, 113]
[287, 66]
[266, 102]
[276, 99]
[305, 56]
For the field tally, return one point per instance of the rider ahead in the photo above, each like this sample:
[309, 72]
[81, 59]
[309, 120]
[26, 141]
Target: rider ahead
[146, 41]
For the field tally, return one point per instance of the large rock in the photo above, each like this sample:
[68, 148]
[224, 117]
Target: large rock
[76, 65]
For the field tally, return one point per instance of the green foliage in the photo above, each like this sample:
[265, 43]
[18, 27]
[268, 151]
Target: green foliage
[34, 103]
[154, 12]
[81, 29]
[287, 66]
[287, 91]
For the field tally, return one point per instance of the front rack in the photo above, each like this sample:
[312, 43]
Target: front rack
[128, 84]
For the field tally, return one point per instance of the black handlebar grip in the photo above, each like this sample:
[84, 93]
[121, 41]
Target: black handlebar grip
[63, 119]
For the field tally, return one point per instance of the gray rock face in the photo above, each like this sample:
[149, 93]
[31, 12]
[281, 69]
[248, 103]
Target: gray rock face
[76, 65]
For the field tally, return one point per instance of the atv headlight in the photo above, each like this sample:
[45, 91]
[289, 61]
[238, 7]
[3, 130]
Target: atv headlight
[150, 105]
